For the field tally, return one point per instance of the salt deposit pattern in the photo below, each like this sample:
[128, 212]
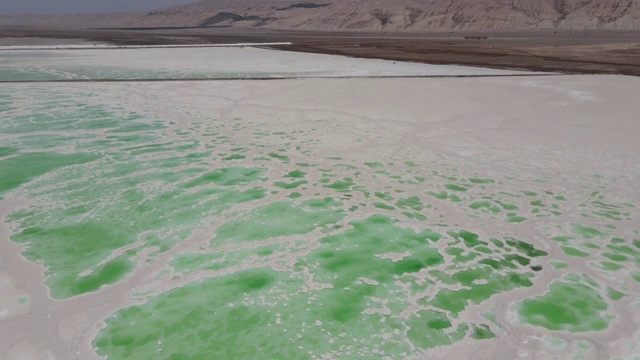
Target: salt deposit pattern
[325, 218]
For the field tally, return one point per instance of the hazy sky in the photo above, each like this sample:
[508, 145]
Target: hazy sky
[12, 7]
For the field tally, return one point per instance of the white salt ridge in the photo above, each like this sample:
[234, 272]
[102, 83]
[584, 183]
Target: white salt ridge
[104, 47]
[215, 62]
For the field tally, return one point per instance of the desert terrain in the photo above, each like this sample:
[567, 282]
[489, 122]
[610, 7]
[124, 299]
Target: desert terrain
[369, 15]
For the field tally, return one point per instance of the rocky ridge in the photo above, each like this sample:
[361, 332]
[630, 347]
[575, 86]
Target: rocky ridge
[369, 15]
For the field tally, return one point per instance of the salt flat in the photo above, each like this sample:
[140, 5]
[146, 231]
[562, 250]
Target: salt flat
[320, 218]
[210, 62]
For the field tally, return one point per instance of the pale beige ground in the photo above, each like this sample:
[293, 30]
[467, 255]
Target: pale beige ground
[562, 127]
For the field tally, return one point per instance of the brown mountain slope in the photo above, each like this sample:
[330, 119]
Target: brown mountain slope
[370, 15]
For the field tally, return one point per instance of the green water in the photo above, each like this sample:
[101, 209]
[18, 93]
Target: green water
[277, 219]
[22, 168]
[210, 322]
[273, 251]
[573, 305]
[252, 316]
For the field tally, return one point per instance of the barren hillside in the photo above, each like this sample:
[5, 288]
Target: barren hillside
[369, 15]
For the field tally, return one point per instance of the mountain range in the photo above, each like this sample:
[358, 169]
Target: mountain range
[367, 15]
